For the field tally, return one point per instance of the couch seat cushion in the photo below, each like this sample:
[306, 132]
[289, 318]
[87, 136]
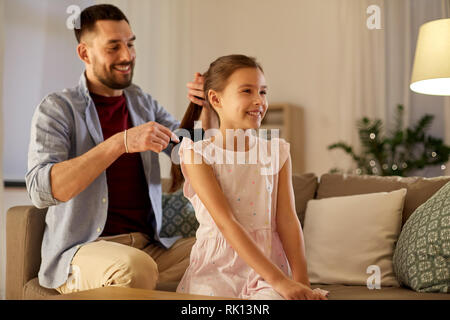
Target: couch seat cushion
[342, 292]
[32, 290]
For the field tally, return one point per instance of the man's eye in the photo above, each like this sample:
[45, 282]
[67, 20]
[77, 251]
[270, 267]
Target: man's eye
[247, 91]
[263, 92]
[130, 45]
[113, 48]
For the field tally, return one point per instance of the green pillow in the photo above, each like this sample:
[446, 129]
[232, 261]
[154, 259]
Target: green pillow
[178, 216]
[422, 255]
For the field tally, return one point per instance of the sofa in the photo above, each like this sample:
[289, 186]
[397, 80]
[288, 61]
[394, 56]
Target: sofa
[25, 227]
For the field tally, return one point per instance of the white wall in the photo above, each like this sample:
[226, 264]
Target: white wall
[307, 52]
[39, 58]
[318, 55]
[315, 53]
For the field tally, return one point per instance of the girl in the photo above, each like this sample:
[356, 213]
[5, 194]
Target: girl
[249, 242]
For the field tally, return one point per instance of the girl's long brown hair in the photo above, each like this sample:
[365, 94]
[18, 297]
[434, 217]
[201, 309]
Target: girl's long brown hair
[215, 79]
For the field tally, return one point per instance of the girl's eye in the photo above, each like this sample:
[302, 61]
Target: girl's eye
[113, 48]
[247, 91]
[263, 92]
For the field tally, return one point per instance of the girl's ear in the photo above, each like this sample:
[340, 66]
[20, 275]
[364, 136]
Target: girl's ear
[213, 98]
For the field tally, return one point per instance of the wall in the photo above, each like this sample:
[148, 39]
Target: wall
[311, 54]
[40, 58]
[320, 56]
[299, 43]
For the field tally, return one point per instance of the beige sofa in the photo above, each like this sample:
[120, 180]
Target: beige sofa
[25, 227]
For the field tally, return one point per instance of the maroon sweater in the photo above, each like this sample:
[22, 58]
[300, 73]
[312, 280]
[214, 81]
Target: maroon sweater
[129, 208]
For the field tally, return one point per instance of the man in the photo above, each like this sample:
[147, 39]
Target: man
[93, 160]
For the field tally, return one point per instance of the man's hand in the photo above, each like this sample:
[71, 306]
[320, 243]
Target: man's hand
[149, 136]
[196, 93]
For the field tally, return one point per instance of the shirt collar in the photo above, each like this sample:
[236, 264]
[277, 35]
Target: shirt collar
[83, 88]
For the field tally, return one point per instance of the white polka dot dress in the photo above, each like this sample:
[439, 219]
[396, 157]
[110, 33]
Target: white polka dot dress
[249, 181]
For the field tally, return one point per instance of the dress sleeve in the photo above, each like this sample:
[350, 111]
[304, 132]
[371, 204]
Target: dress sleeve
[280, 154]
[285, 152]
[201, 154]
[186, 144]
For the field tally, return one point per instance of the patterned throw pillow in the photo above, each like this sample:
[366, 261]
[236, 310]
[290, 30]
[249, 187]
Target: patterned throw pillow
[178, 216]
[422, 255]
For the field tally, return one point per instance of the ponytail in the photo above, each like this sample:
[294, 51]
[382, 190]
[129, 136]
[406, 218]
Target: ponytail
[192, 114]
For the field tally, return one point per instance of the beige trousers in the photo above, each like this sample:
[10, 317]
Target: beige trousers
[126, 260]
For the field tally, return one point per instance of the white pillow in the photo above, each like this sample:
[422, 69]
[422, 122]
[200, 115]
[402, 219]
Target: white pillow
[345, 235]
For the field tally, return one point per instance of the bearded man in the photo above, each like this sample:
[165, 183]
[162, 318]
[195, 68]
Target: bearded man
[93, 161]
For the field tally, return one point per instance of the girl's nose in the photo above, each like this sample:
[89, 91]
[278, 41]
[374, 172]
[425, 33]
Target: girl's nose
[258, 100]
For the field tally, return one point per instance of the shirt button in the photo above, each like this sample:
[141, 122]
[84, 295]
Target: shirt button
[98, 230]
[104, 200]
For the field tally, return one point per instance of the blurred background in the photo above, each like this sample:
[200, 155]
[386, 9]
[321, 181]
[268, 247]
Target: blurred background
[327, 63]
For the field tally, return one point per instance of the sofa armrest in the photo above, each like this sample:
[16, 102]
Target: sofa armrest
[24, 231]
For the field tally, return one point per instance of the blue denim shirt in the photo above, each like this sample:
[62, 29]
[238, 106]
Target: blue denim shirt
[65, 125]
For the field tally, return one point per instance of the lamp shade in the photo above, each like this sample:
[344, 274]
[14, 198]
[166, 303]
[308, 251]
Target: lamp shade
[431, 70]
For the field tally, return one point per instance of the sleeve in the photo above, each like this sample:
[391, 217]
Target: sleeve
[49, 144]
[186, 144]
[279, 154]
[202, 154]
[285, 152]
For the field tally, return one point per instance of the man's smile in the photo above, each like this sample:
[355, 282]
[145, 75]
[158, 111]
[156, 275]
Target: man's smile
[125, 69]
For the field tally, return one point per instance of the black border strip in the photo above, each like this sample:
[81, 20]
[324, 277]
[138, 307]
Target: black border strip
[14, 183]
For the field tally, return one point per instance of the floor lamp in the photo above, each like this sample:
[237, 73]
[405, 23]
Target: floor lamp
[431, 69]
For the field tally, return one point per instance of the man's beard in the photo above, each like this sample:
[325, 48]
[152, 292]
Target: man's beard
[108, 77]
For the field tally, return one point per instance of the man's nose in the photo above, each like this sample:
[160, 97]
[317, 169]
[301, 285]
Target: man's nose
[126, 54]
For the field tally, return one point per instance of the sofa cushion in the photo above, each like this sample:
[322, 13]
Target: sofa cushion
[422, 255]
[24, 230]
[419, 189]
[345, 235]
[33, 291]
[178, 216]
[305, 186]
[343, 292]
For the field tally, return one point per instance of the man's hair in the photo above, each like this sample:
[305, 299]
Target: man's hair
[92, 14]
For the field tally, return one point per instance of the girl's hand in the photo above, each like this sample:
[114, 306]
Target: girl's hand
[292, 290]
[196, 93]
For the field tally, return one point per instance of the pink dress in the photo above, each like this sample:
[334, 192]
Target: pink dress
[250, 186]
